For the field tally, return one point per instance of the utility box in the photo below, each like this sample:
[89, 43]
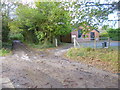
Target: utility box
[104, 45]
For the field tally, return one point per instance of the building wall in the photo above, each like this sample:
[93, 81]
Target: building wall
[96, 33]
[82, 37]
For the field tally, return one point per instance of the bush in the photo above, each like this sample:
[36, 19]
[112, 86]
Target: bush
[7, 45]
[16, 36]
[114, 34]
[105, 34]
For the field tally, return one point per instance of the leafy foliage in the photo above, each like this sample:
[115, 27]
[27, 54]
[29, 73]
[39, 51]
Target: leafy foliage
[16, 36]
[104, 34]
[46, 21]
[114, 33]
[90, 13]
[5, 28]
[49, 20]
[6, 8]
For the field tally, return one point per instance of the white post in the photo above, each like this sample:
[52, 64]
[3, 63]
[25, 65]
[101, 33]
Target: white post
[73, 37]
[108, 42]
[95, 43]
[56, 42]
[74, 42]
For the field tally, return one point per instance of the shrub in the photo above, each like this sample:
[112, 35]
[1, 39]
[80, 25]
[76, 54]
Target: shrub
[7, 45]
[16, 36]
[104, 34]
[114, 33]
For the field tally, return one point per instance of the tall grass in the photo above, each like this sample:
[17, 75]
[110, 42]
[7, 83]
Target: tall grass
[102, 58]
[5, 48]
[4, 52]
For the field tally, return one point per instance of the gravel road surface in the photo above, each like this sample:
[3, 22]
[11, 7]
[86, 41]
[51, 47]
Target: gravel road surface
[27, 68]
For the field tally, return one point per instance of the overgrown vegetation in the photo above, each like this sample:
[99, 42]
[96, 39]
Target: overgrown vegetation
[41, 24]
[107, 59]
[4, 52]
[114, 34]
[104, 34]
[50, 20]
[16, 36]
[41, 46]
[6, 48]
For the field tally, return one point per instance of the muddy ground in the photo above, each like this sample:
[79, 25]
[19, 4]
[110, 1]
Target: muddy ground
[28, 68]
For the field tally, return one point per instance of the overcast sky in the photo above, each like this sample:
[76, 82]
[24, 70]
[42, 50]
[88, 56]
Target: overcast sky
[113, 16]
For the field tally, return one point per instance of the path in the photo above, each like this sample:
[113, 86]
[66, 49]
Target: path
[32, 69]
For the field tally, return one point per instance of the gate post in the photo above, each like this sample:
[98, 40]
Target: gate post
[95, 41]
[108, 42]
[74, 41]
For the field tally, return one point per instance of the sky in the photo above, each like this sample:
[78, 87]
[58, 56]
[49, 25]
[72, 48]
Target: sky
[113, 16]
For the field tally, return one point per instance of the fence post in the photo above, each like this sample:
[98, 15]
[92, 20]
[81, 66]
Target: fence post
[108, 42]
[94, 43]
[56, 42]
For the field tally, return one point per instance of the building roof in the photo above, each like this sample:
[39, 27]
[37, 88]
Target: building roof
[97, 30]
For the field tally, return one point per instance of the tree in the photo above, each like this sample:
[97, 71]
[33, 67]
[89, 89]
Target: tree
[6, 9]
[45, 22]
[5, 28]
[93, 13]
[114, 33]
[49, 20]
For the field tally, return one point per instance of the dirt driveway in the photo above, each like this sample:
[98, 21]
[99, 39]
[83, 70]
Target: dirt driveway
[38, 69]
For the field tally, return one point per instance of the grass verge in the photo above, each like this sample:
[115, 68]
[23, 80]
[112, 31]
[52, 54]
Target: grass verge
[6, 48]
[106, 59]
[45, 46]
[4, 52]
[41, 46]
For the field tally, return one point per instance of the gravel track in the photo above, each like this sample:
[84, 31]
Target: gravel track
[26, 68]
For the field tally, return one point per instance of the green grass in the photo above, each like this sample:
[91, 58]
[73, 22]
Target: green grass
[5, 48]
[4, 52]
[41, 46]
[115, 48]
[46, 45]
[106, 58]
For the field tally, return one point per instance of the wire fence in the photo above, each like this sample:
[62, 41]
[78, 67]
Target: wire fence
[103, 42]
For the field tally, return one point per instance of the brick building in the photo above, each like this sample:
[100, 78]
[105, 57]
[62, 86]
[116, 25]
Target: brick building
[86, 37]
[79, 36]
